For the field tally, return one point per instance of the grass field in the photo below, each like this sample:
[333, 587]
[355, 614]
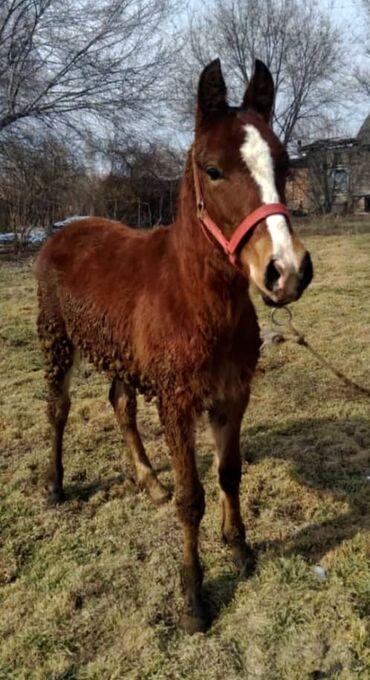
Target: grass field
[91, 589]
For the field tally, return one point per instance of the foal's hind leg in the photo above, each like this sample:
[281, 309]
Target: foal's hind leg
[59, 354]
[58, 409]
[225, 418]
[123, 400]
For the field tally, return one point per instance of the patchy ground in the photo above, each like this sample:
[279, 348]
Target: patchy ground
[91, 589]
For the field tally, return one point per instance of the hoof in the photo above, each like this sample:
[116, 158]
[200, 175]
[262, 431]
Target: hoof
[194, 618]
[160, 495]
[244, 559]
[55, 497]
[193, 623]
[162, 499]
[157, 492]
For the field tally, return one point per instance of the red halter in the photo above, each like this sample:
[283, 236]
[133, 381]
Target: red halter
[246, 225]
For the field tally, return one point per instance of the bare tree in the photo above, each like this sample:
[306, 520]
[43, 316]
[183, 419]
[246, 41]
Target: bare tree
[141, 188]
[76, 61]
[41, 180]
[296, 40]
[326, 181]
[362, 74]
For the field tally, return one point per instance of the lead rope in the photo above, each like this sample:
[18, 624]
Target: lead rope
[276, 337]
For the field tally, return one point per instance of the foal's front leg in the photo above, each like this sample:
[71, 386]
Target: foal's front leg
[225, 418]
[189, 497]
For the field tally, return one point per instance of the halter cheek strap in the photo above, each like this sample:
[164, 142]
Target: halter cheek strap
[244, 228]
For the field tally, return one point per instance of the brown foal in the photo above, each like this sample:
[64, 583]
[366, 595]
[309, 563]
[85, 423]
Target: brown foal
[168, 312]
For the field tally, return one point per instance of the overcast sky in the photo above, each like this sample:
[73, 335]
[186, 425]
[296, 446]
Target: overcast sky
[352, 22]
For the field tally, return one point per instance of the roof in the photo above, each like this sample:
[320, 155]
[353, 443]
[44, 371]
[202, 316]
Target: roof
[331, 143]
[364, 131]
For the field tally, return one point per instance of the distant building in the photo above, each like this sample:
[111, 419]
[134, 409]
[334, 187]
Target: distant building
[332, 175]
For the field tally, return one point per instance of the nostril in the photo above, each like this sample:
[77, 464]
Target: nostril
[306, 271]
[272, 275]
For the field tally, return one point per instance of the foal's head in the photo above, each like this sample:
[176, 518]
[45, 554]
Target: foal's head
[240, 166]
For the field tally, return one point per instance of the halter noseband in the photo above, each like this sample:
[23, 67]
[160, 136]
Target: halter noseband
[245, 226]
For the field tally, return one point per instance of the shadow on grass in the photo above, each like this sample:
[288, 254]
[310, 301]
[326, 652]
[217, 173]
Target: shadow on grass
[83, 492]
[219, 593]
[331, 456]
[122, 482]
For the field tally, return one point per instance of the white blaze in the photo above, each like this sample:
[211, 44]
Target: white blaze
[256, 154]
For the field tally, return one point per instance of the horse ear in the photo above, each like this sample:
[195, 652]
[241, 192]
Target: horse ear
[260, 91]
[212, 90]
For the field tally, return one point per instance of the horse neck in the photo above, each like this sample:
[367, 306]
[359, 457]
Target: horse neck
[193, 250]
[203, 267]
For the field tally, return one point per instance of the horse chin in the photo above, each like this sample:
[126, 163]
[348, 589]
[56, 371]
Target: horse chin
[273, 303]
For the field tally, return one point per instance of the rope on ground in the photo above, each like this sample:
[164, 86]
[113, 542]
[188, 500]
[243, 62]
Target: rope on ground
[275, 336]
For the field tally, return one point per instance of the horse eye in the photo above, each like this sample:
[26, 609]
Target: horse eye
[214, 173]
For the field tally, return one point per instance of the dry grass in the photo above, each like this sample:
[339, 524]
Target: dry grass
[333, 225]
[91, 589]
